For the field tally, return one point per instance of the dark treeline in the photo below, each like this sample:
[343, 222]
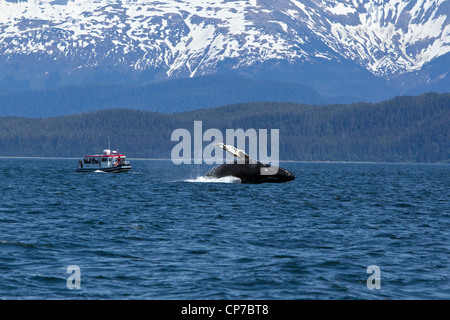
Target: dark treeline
[403, 129]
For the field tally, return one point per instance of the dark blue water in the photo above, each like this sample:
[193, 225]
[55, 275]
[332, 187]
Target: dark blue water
[160, 232]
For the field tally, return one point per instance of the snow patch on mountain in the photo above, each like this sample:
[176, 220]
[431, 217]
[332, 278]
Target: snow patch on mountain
[387, 38]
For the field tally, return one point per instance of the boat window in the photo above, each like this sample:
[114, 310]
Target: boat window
[104, 159]
[87, 160]
[95, 160]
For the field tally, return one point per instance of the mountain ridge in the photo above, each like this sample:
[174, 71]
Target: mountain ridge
[387, 44]
[175, 95]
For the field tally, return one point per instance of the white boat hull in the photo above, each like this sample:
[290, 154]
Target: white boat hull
[116, 169]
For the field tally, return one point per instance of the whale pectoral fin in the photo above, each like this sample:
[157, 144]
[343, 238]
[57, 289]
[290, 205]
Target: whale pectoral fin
[237, 153]
[230, 149]
[221, 145]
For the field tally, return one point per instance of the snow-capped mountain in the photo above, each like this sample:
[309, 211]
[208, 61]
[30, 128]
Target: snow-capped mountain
[185, 38]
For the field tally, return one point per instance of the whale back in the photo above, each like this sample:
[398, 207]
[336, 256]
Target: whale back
[250, 173]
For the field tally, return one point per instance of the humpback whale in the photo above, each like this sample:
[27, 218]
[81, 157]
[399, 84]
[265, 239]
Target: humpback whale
[249, 170]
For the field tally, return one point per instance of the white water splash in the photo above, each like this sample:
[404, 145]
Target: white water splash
[205, 179]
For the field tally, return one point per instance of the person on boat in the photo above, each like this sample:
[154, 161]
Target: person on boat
[80, 164]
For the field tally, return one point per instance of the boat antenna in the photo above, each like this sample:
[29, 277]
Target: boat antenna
[109, 145]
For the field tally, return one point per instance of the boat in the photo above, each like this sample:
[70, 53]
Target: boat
[109, 161]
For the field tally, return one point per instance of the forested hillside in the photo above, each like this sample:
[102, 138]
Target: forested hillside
[410, 129]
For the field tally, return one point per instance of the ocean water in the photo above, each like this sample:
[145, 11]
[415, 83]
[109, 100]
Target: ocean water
[163, 231]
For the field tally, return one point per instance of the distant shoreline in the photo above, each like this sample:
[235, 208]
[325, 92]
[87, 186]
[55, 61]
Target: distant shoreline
[281, 161]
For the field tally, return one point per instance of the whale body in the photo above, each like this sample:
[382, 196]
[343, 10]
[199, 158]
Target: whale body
[247, 169]
[251, 172]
